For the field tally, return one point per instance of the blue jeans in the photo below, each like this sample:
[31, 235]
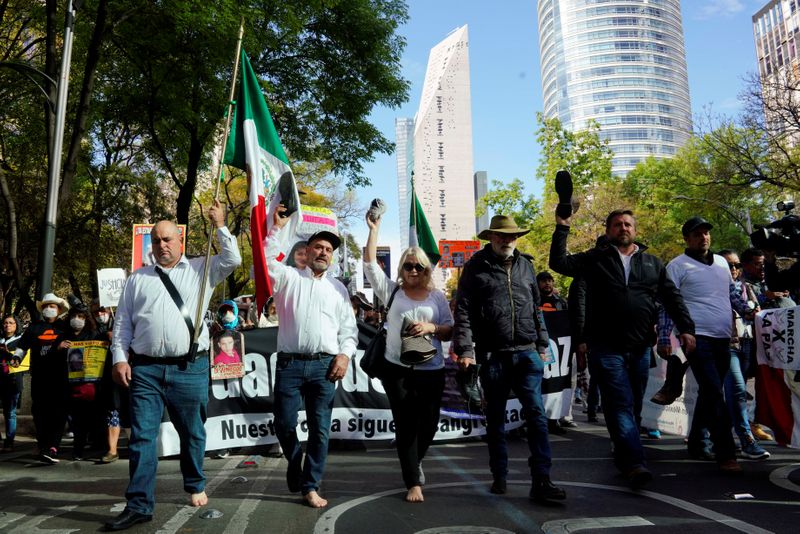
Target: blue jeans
[521, 372]
[183, 390]
[11, 391]
[710, 362]
[622, 377]
[736, 394]
[297, 382]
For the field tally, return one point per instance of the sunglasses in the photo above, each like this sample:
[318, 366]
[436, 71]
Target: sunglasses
[734, 265]
[408, 267]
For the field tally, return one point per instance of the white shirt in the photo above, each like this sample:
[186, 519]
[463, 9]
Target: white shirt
[706, 291]
[149, 322]
[626, 261]
[434, 309]
[314, 314]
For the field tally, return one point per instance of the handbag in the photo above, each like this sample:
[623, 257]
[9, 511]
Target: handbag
[374, 359]
[415, 350]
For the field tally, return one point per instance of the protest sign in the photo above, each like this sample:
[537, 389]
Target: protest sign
[86, 360]
[142, 249]
[109, 284]
[240, 410]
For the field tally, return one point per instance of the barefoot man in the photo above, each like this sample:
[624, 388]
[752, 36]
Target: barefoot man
[150, 348]
[317, 337]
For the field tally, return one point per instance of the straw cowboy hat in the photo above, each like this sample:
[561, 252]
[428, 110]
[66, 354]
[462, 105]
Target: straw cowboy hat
[503, 224]
[51, 298]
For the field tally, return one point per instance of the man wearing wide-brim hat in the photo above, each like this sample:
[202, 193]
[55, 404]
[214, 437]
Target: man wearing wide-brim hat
[497, 308]
[505, 225]
[48, 375]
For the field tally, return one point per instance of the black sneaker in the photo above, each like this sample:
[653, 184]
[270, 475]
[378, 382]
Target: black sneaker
[543, 489]
[498, 486]
[638, 477]
[554, 428]
[49, 456]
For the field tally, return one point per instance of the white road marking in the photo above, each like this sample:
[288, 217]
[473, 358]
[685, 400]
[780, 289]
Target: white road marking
[327, 523]
[241, 518]
[186, 512]
[780, 477]
[587, 523]
[32, 525]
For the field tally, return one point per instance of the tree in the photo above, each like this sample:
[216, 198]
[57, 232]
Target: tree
[148, 90]
[324, 67]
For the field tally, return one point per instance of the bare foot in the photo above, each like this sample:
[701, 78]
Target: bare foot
[314, 500]
[415, 494]
[198, 499]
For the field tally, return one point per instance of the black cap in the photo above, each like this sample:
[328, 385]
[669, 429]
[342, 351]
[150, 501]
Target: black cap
[332, 238]
[693, 224]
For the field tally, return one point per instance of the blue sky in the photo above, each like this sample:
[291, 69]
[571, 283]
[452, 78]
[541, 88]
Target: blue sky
[506, 86]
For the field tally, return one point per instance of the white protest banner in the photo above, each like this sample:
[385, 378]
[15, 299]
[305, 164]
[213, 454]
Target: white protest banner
[777, 337]
[109, 285]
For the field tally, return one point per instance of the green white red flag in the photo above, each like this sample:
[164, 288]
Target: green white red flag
[419, 231]
[254, 146]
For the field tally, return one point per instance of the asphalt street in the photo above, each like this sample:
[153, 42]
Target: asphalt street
[365, 492]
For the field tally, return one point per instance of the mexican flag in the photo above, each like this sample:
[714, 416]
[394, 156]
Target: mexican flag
[254, 146]
[419, 232]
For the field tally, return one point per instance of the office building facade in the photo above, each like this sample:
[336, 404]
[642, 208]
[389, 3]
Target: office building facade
[441, 157]
[621, 63]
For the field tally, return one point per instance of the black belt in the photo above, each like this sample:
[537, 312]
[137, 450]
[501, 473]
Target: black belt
[141, 359]
[305, 357]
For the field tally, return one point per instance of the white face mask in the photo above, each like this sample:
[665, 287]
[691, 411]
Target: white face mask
[229, 317]
[102, 319]
[77, 324]
[49, 313]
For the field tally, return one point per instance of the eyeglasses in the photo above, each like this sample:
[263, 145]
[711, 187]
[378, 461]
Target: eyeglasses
[734, 265]
[408, 267]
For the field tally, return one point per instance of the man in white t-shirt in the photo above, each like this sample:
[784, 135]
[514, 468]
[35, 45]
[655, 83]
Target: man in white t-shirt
[704, 281]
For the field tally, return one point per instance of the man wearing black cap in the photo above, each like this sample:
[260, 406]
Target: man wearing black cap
[704, 280]
[317, 336]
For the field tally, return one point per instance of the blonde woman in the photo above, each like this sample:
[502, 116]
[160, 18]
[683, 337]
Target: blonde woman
[415, 392]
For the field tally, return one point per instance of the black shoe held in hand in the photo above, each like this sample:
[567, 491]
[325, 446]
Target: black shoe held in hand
[563, 187]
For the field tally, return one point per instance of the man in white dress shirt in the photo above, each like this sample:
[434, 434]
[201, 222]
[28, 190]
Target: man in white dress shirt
[150, 353]
[317, 336]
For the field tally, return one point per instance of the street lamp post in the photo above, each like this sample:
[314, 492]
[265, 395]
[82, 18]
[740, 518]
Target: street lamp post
[47, 246]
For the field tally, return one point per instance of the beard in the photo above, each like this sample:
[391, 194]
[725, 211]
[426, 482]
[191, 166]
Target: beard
[319, 266]
[623, 240]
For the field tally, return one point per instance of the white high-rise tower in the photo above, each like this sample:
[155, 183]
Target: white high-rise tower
[623, 64]
[441, 160]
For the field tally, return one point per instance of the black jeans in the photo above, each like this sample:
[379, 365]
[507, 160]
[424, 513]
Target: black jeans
[415, 398]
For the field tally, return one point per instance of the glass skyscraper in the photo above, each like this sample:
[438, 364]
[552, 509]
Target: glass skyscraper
[621, 63]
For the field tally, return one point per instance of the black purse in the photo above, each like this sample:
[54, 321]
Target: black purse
[373, 362]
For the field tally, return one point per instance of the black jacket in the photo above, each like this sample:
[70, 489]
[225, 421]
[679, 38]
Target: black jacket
[498, 312]
[620, 316]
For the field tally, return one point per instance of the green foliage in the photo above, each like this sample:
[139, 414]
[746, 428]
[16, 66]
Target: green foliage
[149, 86]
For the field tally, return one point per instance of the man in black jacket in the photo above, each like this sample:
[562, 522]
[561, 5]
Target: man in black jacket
[498, 307]
[622, 284]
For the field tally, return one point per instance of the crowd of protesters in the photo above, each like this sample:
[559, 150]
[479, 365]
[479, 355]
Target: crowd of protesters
[695, 312]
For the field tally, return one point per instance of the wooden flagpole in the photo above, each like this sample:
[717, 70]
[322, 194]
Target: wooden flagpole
[204, 281]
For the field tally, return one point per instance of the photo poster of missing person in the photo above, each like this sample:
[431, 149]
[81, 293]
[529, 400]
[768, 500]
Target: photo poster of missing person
[142, 249]
[86, 360]
[226, 355]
